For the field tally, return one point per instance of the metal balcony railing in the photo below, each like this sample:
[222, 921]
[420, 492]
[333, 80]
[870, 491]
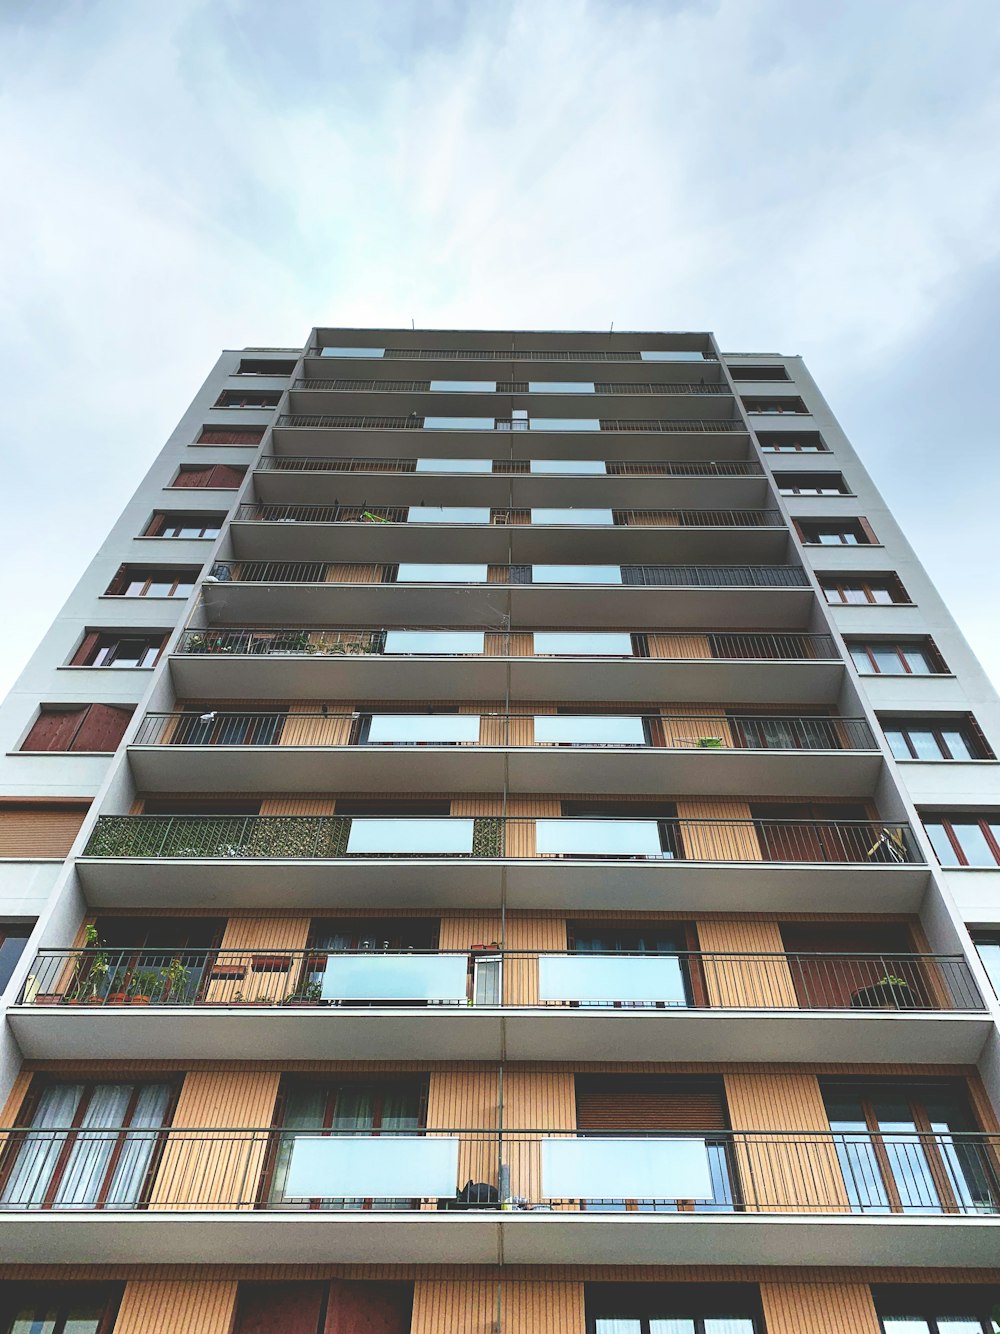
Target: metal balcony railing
[687, 425]
[512, 354]
[515, 387]
[491, 978]
[606, 731]
[858, 842]
[660, 576]
[400, 514]
[511, 467]
[354, 641]
[688, 1173]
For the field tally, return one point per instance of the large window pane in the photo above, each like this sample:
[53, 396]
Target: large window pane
[581, 643]
[410, 572]
[576, 574]
[448, 514]
[588, 730]
[560, 386]
[564, 424]
[459, 423]
[454, 465]
[559, 467]
[918, 660]
[973, 842]
[352, 352]
[464, 386]
[941, 843]
[957, 744]
[572, 516]
[435, 641]
[989, 952]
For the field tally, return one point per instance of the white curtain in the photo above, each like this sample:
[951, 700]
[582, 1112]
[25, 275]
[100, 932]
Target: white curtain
[90, 1155]
[31, 1174]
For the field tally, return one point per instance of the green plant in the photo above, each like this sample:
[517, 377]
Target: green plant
[89, 970]
[145, 982]
[890, 981]
[177, 977]
[710, 742]
[368, 517]
[310, 992]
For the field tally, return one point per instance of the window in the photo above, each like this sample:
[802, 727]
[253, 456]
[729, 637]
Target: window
[335, 1306]
[119, 649]
[184, 525]
[758, 373]
[896, 658]
[237, 398]
[792, 442]
[811, 484]
[214, 435]
[988, 945]
[78, 727]
[13, 938]
[936, 738]
[672, 1308]
[836, 532]
[775, 407]
[58, 1308]
[203, 475]
[965, 839]
[863, 590]
[352, 352]
[261, 366]
[965, 1308]
[463, 386]
[153, 581]
[65, 1167]
[561, 387]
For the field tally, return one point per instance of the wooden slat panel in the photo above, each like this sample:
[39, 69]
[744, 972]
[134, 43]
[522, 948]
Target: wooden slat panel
[520, 976]
[353, 574]
[819, 1308]
[468, 1307]
[39, 831]
[532, 1100]
[751, 982]
[296, 806]
[708, 844]
[331, 731]
[462, 932]
[167, 1307]
[273, 934]
[678, 646]
[528, 1307]
[678, 732]
[468, 1100]
[773, 1178]
[216, 1098]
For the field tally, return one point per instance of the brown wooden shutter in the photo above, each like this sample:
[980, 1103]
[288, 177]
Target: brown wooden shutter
[650, 1103]
[369, 1308]
[210, 436]
[103, 727]
[87, 646]
[155, 526]
[226, 478]
[292, 1308]
[54, 729]
[42, 830]
[868, 531]
[199, 476]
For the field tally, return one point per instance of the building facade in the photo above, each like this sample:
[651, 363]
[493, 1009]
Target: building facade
[504, 837]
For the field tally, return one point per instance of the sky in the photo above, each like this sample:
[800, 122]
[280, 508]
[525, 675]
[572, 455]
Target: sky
[818, 177]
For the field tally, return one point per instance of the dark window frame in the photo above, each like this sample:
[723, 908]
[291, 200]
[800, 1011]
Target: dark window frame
[792, 406]
[868, 583]
[62, 1296]
[935, 726]
[792, 484]
[947, 824]
[150, 575]
[899, 646]
[164, 519]
[236, 398]
[856, 526]
[107, 641]
[664, 1301]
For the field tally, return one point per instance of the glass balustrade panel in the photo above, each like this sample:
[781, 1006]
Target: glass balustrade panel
[565, 729]
[598, 838]
[412, 729]
[435, 642]
[572, 517]
[376, 836]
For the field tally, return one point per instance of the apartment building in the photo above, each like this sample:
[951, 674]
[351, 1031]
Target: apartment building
[503, 838]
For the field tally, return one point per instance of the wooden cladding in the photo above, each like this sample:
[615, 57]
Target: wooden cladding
[169, 1307]
[250, 435]
[39, 829]
[649, 1102]
[217, 476]
[78, 727]
[752, 982]
[819, 1308]
[485, 1305]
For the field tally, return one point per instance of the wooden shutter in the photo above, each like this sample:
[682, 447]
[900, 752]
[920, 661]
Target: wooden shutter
[42, 830]
[54, 729]
[200, 476]
[225, 478]
[85, 652]
[209, 436]
[368, 1308]
[155, 526]
[291, 1308]
[103, 727]
[650, 1103]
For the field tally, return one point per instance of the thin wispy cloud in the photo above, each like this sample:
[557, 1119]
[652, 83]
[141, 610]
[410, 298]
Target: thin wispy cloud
[821, 179]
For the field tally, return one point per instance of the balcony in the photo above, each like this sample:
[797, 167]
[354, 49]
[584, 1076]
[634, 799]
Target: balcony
[538, 533]
[367, 751]
[465, 863]
[476, 593]
[317, 479]
[495, 1004]
[267, 1195]
[282, 662]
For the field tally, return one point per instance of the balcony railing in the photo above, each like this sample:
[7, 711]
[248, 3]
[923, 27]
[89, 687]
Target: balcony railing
[522, 517]
[491, 978]
[698, 387]
[354, 641]
[858, 842]
[510, 467]
[522, 354]
[606, 576]
[371, 729]
[694, 1172]
[686, 425]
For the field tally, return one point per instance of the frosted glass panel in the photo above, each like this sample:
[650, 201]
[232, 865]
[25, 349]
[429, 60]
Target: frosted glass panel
[352, 351]
[572, 516]
[626, 977]
[390, 1167]
[635, 1169]
[454, 465]
[671, 354]
[409, 572]
[902, 1325]
[564, 424]
[600, 838]
[464, 386]
[576, 574]
[410, 728]
[560, 387]
[395, 977]
[434, 641]
[448, 514]
[459, 423]
[570, 466]
[375, 835]
[588, 730]
[610, 643]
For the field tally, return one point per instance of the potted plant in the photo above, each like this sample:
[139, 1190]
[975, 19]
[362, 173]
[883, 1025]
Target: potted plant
[89, 971]
[306, 993]
[174, 981]
[888, 993]
[145, 983]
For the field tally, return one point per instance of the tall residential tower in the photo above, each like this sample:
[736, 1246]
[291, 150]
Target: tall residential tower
[504, 838]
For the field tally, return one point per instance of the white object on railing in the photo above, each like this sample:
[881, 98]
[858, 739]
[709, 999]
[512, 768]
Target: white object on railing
[378, 976]
[580, 729]
[572, 517]
[388, 1167]
[430, 728]
[602, 838]
[597, 1168]
[375, 835]
[602, 979]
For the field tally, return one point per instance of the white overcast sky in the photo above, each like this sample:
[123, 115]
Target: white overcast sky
[806, 176]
